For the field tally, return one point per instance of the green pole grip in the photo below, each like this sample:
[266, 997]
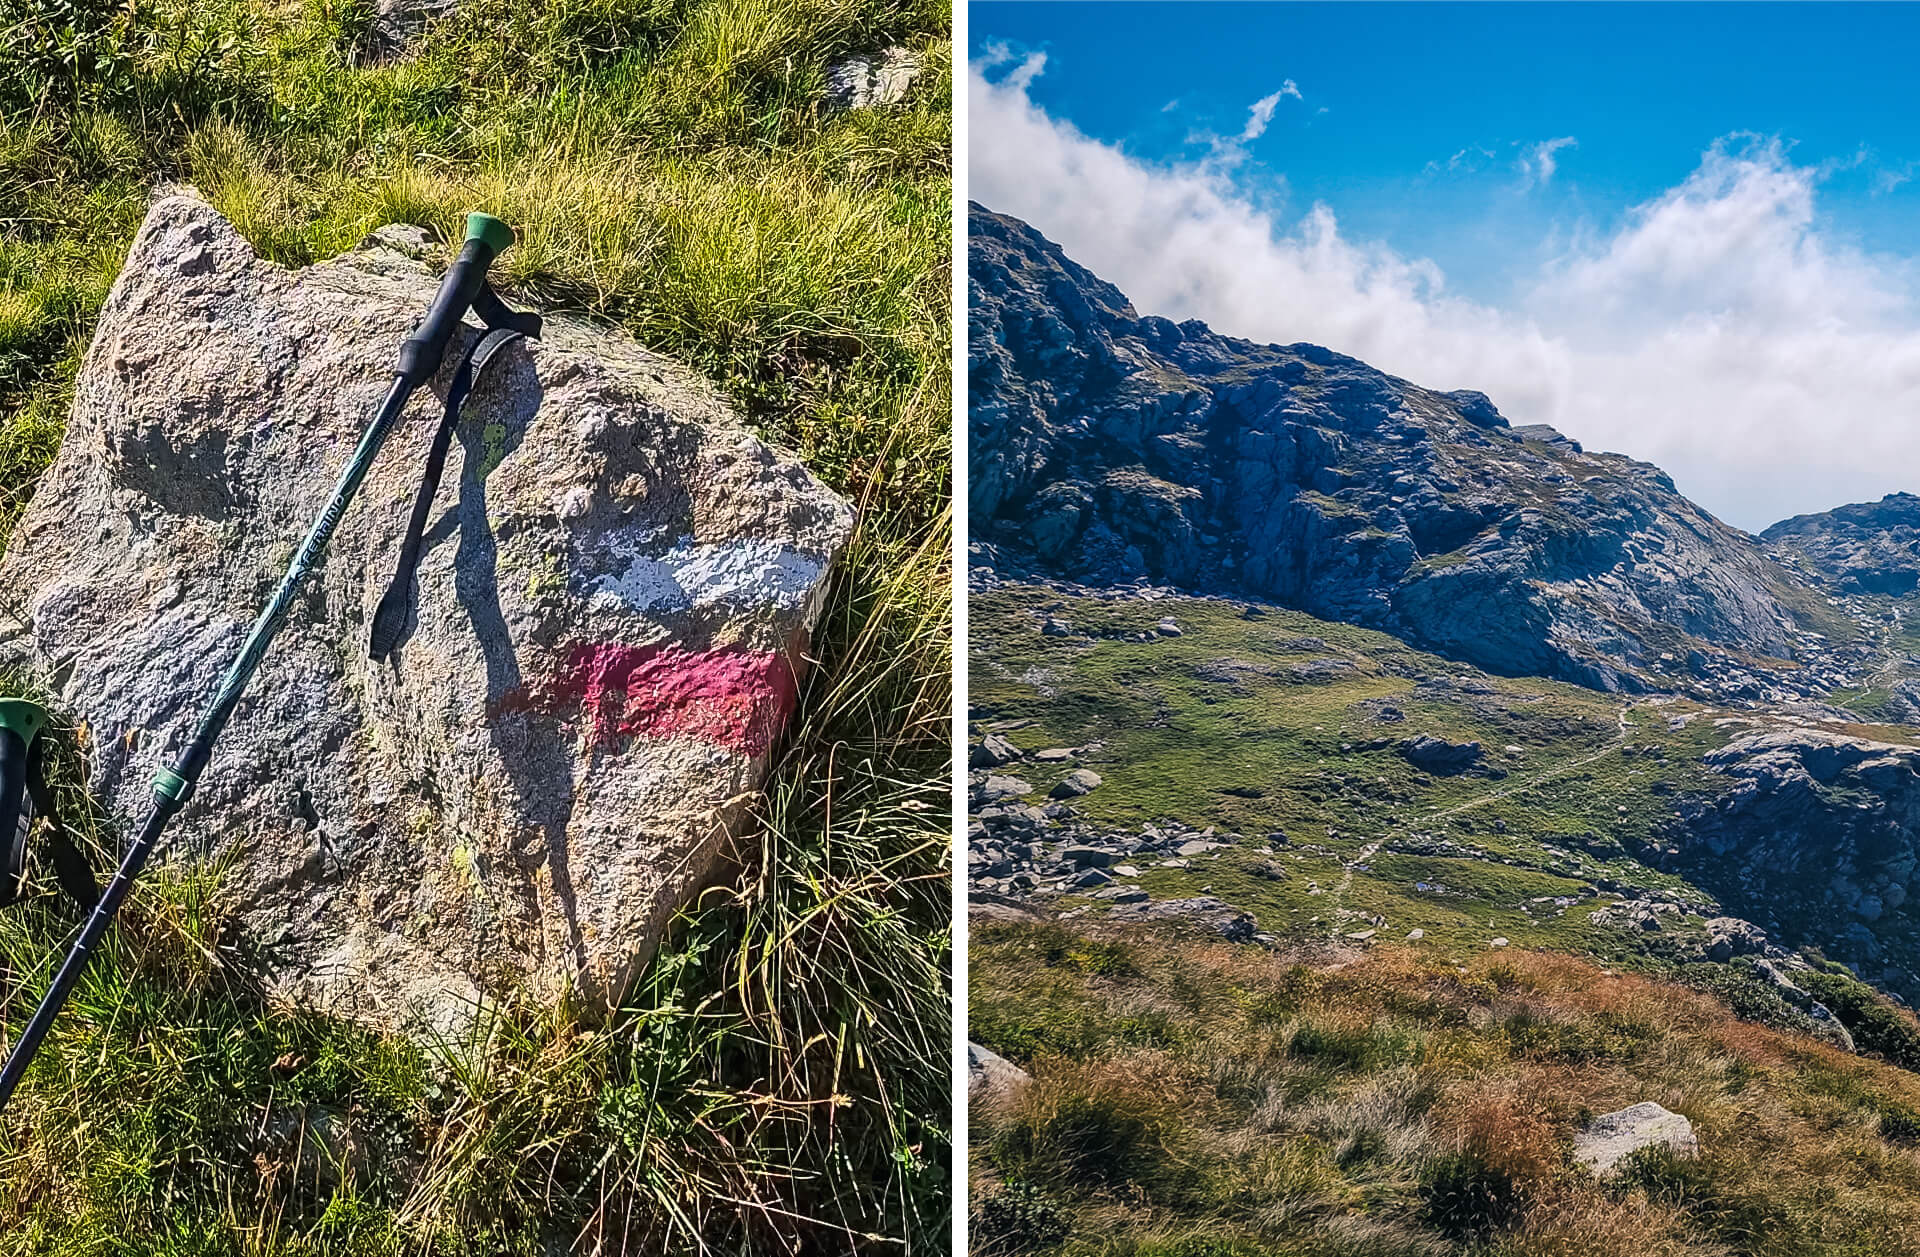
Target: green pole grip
[490, 231]
[23, 717]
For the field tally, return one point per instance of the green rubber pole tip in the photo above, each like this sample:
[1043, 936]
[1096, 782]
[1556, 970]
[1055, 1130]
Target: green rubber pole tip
[497, 235]
[23, 717]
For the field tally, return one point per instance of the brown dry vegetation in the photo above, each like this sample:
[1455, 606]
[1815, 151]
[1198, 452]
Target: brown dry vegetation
[1196, 1099]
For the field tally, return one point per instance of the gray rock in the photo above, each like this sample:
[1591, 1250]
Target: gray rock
[1020, 819]
[1076, 783]
[398, 25]
[992, 752]
[991, 1078]
[1203, 911]
[1441, 757]
[1609, 1138]
[613, 604]
[868, 81]
[1167, 627]
[1087, 857]
[996, 789]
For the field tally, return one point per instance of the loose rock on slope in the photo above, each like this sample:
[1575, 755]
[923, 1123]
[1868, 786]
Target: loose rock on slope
[867, 81]
[1611, 1137]
[616, 587]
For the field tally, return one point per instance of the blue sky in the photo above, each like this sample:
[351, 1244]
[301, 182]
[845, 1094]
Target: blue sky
[1539, 197]
[1642, 89]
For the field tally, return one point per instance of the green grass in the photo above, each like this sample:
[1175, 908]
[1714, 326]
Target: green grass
[778, 1082]
[1272, 722]
[1238, 724]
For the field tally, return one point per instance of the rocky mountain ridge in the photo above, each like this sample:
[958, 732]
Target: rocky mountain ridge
[1861, 548]
[1111, 447]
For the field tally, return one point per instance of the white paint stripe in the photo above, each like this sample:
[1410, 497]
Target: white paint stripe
[732, 573]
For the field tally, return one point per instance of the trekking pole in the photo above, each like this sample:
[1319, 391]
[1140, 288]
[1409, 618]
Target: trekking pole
[465, 287]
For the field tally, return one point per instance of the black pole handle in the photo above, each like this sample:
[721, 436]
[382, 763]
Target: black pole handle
[15, 814]
[421, 353]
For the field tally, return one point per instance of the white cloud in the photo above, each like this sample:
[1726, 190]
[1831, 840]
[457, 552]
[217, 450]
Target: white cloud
[1539, 164]
[1261, 114]
[1468, 158]
[1718, 330]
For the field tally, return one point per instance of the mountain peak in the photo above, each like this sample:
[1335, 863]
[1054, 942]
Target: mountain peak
[1110, 447]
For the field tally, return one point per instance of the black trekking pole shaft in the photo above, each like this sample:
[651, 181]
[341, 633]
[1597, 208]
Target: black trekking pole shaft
[420, 357]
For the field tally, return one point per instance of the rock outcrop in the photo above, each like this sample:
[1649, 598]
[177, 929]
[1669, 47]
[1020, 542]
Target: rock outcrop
[615, 592]
[866, 81]
[397, 27]
[992, 1079]
[1447, 759]
[1612, 1137]
[1833, 817]
[1110, 447]
[1864, 548]
[1818, 832]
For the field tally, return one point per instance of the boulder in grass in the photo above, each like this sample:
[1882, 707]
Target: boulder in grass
[992, 752]
[1076, 783]
[1611, 1137]
[872, 80]
[398, 27]
[613, 606]
[992, 1078]
[997, 789]
[1441, 757]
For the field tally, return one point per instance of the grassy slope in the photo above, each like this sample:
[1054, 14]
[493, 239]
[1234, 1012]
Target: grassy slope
[1234, 724]
[781, 1078]
[1202, 1100]
[1197, 1100]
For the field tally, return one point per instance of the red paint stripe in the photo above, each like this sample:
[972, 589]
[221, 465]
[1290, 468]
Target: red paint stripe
[740, 699]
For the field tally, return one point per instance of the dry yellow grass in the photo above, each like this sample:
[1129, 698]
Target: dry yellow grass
[1196, 1099]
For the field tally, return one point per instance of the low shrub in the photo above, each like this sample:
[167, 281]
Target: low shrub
[1467, 1198]
[1018, 1218]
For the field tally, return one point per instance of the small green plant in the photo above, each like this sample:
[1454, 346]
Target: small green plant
[66, 51]
[1018, 1218]
[1466, 1197]
[1899, 1123]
